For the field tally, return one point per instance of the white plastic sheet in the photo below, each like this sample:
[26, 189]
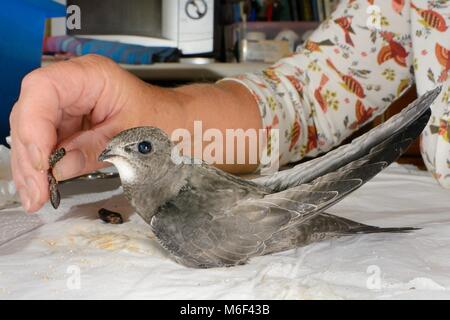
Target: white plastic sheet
[7, 189]
[75, 255]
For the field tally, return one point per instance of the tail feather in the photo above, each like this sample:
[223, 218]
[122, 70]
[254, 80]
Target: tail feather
[323, 80]
[443, 76]
[372, 229]
[344, 226]
[322, 227]
[348, 39]
[332, 66]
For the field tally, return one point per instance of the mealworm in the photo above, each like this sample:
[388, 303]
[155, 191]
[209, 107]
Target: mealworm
[55, 196]
[110, 216]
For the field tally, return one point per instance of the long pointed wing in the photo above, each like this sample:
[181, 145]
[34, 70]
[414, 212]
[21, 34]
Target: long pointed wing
[333, 160]
[302, 202]
[210, 239]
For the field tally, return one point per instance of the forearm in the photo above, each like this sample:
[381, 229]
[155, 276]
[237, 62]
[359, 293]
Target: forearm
[221, 106]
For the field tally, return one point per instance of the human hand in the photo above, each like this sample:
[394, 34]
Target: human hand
[80, 105]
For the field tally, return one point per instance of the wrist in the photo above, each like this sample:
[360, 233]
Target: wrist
[222, 105]
[160, 107]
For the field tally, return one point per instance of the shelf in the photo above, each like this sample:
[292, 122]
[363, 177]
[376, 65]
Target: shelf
[187, 71]
[192, 72]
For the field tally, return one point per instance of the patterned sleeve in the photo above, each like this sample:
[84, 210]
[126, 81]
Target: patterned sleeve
[348, 72]
[431, 47]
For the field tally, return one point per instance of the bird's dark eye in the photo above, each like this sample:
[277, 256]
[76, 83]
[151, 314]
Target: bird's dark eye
[144, 147]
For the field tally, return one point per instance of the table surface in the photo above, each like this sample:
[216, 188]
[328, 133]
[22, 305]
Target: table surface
[126, 262]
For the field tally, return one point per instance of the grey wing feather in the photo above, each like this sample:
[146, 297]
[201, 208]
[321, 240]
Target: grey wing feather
[354, 174]
[333, 160]
[294, 216]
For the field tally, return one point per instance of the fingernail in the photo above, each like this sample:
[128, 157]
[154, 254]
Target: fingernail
[70, 166]
[36, 157]
[24, 199]
[33, 192]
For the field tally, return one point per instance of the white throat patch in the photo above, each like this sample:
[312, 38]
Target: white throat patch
[126, 171]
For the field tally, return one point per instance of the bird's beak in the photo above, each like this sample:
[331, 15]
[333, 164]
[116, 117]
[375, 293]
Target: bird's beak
[106, 154]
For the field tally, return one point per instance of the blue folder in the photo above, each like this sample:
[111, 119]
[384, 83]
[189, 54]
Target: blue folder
[22, 24]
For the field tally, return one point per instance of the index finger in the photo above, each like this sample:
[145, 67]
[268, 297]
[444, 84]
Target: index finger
[45, 95]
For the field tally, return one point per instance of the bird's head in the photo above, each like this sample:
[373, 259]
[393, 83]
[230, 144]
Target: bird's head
[139, 154]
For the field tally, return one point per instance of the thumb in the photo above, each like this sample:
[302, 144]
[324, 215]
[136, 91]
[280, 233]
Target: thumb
[82, 151]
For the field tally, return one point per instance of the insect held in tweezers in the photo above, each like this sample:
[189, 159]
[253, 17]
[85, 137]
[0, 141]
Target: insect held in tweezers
[55, 197]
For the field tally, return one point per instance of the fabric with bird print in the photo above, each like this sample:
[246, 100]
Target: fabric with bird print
[364, 56]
